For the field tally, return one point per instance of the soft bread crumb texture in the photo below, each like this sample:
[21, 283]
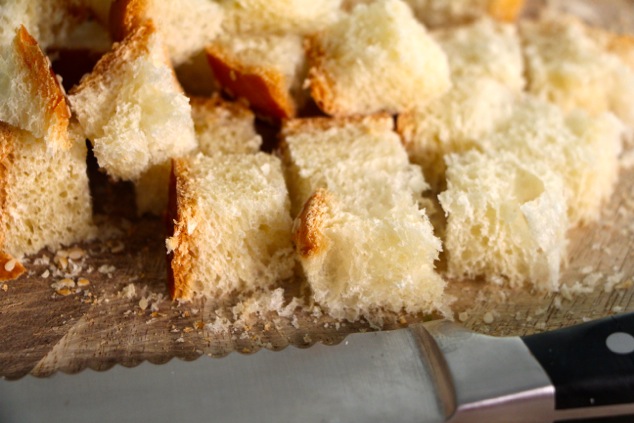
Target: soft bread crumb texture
[581, 148]
[365, 62]
[569, 65]
[232, 230]
[506, 220]
[364, 243]
[267, 71]
[44, 195]
[186, 26]
[436, 13]
[279, 17]
[132, 108]
[221, 127]
[32, 98]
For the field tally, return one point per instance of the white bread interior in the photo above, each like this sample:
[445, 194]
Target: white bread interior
[232, 230]
[186, 26]
[44, 194]
[506, 219]
[221, 127]
[377, 58]
[132, 108]
[279, 16]
[32, 97]
[569, 65]
[363, 241]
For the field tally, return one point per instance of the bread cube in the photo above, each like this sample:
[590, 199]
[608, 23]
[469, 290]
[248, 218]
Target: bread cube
[132, 108]
[506, 219]
[377, 58]
[437, 13]
[364, 243]
[232, 227]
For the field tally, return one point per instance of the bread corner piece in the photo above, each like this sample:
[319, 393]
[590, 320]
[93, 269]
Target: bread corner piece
[33, 99]
[266, 70]
[377, 58]
[132, 108]
[506, 220]
[232, 227]
[44, 194]
[364, 243]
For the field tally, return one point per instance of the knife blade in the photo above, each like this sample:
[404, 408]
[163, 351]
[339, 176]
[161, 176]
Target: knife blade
[432, 372]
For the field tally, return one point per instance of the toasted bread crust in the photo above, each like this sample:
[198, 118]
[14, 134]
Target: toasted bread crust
[7, 142]
[505, 10]
[126, 16]
[320, 82]
[46, 88]
[263, 88]
[308, 236]
[180, 209]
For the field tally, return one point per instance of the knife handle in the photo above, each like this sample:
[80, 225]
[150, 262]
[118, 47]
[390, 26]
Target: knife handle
[591, 364]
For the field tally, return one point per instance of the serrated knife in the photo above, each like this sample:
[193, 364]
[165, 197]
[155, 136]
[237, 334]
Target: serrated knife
[432, 372]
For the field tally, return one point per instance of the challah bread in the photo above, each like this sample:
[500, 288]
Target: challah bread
[132, 108]
[364, 243]
[232, 227]
[377, 58]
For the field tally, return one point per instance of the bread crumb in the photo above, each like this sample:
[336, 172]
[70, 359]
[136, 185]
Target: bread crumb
[45, 274]
[63, 283]
[463, 316]
[617, 309]
[488, 318]
[129, 291]
[82, 282]
[180, 340]
[10, 265]
[105, 268]
[75, 253]
[5, 287]
[143, 303]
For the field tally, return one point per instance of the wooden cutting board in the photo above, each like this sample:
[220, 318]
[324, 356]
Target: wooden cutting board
[123, 315]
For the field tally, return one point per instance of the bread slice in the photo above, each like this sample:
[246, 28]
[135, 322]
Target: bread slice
[569, 65]
[186, 26]
[232, 227]
[44, 195]
[438, 13]
[484, 48]
[364, 243]
[221, 127]
[279, 17]
[265, 70]
[365, 62]
[506, 219]
[456, 122]
[33, 98]
[132, 108]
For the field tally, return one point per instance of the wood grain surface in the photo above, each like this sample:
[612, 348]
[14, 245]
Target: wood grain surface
[107, 322]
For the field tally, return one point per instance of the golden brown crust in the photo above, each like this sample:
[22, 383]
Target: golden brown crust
[126, 16]
[180, 210]
[308, 236]
[623, 47]
[9, 268]
[263, 88]
[505, 10]
[46, 87]
[321, 84]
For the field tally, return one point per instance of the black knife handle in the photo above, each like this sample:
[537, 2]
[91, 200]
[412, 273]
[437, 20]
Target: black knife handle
[591, 364]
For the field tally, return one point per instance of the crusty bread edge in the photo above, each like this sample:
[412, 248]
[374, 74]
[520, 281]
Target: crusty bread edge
[7, 142]
[307, 234]
[57, 112]
[264, 88]
[320, 82]
[505, 10]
